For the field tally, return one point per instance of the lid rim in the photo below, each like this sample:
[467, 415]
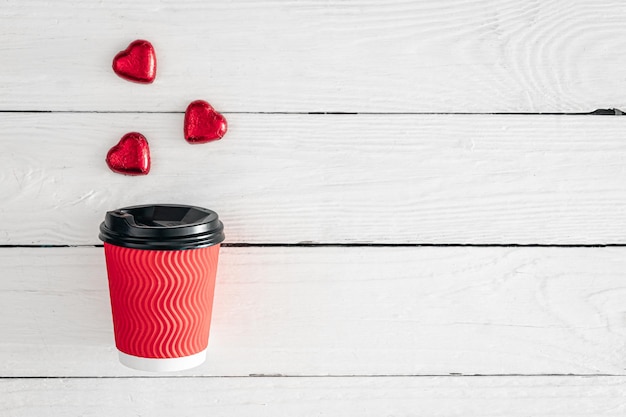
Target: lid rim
[161, 247]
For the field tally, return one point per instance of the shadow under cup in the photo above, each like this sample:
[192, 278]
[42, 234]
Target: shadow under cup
[161, 264]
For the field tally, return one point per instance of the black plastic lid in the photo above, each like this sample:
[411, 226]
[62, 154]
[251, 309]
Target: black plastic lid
[162, 226]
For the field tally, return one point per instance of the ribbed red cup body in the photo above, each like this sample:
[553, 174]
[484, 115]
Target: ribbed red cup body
[161, 300]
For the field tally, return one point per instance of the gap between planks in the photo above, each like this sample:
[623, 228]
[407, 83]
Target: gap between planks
[598, 112]
[371, 245]
[513, 375]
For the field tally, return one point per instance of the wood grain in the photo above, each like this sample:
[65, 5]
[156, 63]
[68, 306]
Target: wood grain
[350, 56]
[342, 330]
[235, 397]
[327, 178]
[340, 311]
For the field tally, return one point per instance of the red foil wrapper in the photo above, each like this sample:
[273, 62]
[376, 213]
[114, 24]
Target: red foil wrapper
[131, 156]
[137, 63]
[203, 124]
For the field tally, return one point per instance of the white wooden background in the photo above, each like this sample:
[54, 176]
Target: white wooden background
[452, 243]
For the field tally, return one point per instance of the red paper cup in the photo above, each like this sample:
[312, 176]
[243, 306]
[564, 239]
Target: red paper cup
[161, 263]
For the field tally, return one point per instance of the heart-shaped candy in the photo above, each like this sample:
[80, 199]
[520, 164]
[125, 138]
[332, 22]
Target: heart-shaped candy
[203, 123]
[131, 156]
[136, 63]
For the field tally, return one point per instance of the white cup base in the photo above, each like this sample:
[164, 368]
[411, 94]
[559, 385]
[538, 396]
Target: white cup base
[162, 364]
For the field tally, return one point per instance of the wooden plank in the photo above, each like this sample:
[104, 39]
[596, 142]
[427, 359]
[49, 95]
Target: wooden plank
[327, 178]
[340, 311]
[355, 56]
[432, 396]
